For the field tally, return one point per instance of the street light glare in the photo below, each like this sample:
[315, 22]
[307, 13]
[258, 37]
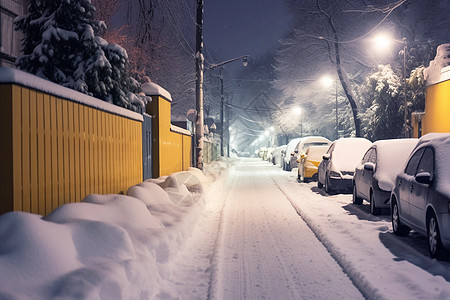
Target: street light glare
[382, 42]
[297, 111]
[327, 81]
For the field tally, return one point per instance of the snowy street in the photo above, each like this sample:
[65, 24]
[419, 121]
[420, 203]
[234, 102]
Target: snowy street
[263, 235]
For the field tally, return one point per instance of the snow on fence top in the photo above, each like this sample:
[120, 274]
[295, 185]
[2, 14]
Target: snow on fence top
[179, 130]
[439, 69]
[152, 89]
[14, 76]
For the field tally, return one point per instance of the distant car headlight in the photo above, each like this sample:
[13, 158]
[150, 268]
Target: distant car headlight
[335, 174]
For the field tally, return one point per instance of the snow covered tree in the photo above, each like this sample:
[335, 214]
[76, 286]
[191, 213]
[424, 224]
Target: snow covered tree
[62, 44]
[381, 103]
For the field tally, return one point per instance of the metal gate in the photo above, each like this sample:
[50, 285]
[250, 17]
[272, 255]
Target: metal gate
[147, 146]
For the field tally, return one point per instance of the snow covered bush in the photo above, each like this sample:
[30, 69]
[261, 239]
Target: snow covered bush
[62, 44]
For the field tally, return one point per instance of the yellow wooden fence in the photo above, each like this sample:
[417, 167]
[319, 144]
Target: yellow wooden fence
[57, 149]
[172, 146]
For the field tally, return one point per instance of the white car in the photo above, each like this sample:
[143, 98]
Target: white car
[338, 165]
[290, 148]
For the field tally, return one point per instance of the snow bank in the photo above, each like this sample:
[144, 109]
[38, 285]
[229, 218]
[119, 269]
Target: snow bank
[439, 68]
[106, 247]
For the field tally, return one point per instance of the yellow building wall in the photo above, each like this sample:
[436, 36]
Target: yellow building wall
[437, 108]
[57, 151]
[171, 151]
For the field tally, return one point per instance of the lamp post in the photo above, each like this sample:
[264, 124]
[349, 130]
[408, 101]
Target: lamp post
[222, 100]
[383, 42]
[327, 82]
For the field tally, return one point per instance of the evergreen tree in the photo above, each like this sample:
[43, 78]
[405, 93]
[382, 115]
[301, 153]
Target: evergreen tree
[62, 44]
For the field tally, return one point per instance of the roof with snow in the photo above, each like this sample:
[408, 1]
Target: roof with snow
[15, 76]
[152, 89]
[439, 68]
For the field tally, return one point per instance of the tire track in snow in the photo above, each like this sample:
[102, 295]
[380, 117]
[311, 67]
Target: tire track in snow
[214, 268]
[358, 279]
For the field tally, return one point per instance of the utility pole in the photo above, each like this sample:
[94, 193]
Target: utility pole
[199, 85]
[221, 113]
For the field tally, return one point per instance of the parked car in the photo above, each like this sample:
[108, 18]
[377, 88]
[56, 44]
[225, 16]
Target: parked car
[420, 199]
[269, 154]
[276, 155]
[288, 152]
[338, 165]
[309, 161]
[303, 144]
[375, 174]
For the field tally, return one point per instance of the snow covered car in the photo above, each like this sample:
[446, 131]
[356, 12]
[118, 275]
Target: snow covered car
[303, 144]
[375, 174]
[277, 155]
[420, 199]
[290, 148]
[338, 165]
[309, 161]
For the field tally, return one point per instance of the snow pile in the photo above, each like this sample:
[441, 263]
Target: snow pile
[439, 69]
[218, 167]
[106, 247]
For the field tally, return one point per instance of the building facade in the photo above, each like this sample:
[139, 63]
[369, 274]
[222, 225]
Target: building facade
[10, 40]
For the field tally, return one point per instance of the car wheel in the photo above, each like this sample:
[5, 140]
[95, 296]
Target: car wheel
[398, 228]
[434, 238]
[288, 167]
[373, 209]
[319, 185]
[299, 178]
[356, 200]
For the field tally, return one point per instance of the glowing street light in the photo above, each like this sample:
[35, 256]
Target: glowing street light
[327, 81]
[384, 42]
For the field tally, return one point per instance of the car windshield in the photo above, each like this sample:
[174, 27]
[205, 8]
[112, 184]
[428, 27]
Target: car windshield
[316, 153]
[307, 145]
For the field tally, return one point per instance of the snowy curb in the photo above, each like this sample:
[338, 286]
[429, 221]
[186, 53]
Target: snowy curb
[105, 247]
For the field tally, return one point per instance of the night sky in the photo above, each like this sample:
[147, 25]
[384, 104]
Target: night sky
[239, 27]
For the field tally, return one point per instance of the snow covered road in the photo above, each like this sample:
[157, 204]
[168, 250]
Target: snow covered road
[267, 251]
[263, 235]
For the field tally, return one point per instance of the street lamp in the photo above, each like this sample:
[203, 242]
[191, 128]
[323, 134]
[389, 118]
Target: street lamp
[213, 66]
[327, 81]
[383, 42]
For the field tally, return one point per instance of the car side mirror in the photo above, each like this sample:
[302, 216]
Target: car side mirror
[326, 156]
[424, 177]
[368, 166]
[302, 156]
[298, 160]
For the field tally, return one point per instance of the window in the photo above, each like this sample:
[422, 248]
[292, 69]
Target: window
[413, 162]
[9, 38]
[366, 157]
[427, 162]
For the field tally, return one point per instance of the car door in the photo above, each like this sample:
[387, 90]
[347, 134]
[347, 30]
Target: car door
[419, 191]
[361, 184]
[367, 175]
[323, 167]
[404, 181]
